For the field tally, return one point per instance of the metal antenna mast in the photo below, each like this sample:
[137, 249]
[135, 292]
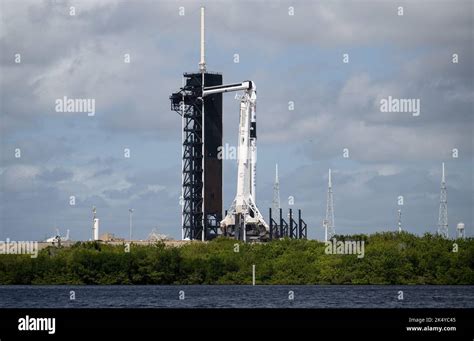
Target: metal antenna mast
[276, 192]
[328, 223]
[202, 69]
[130, 210]
[443, 208]
[202, 62]
[399, 220]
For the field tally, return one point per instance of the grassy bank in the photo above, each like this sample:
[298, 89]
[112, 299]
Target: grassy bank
[389, 258]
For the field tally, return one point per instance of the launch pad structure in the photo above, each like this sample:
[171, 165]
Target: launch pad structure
[199, 103]
[201, 167]
[201, 195]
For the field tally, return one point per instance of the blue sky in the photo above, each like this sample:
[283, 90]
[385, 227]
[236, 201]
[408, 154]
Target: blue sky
[291, 58]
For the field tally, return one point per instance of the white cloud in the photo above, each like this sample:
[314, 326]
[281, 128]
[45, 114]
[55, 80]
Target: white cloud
[291, 58]
[19, 178]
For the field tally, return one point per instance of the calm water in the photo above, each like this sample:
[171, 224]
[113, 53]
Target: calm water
[233, 296]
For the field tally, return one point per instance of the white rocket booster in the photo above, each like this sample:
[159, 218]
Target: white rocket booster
[253, 149]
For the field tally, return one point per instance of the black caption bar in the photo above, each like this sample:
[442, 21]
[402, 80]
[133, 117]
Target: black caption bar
[446, 324]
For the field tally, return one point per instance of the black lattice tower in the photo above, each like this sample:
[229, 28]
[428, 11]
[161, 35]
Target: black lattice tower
[201, 167]
[201, 139]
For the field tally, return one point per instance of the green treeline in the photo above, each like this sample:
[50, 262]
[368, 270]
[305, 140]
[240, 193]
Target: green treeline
[389, 258]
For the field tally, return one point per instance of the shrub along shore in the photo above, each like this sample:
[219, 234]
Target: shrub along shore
[388, 258]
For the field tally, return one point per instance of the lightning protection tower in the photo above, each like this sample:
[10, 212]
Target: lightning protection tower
[276, 192]
[328, 223]
[443, 208]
